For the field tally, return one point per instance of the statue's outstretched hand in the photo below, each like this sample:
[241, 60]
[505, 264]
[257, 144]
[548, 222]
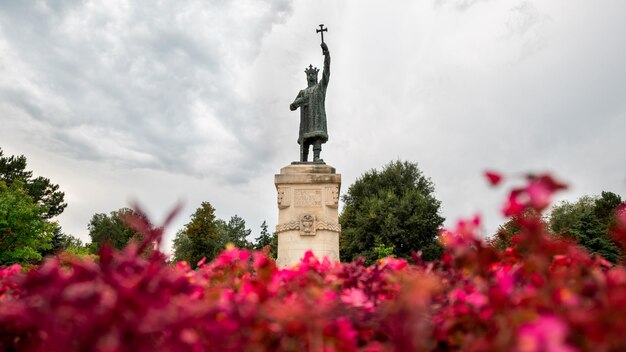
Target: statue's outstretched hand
[324, 48]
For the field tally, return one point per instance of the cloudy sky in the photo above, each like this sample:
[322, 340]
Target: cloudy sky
[167, 101]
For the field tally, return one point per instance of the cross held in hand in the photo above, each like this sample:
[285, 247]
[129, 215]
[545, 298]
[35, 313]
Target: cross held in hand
[321, 31]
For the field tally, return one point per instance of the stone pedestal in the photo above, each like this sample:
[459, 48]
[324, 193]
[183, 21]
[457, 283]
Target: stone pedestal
[308, 219]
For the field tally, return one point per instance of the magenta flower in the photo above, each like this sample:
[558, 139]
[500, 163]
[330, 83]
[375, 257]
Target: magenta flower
[545, 334]
[539, 294]
[356, 298]
[493, 177]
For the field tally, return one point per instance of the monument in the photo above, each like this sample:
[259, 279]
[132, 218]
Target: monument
[308, 191]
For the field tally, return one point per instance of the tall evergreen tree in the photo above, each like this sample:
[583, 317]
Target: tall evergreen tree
[41, 189]
[63, 242]
[112, 229]
[393, 209]
[268, 240]
[587, 221]
[201, 237]
[234, 231]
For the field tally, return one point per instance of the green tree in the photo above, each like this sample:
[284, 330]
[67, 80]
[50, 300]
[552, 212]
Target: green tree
[394, 208]
[201, 237]
[587, 221]
[63, 242]
[267, 240]
[505, 233]
[503, 237]
[383, 251]
[23, 231]
[234, 231]
[42, 191]
[604, 208]
[183, 248]
[112, 229]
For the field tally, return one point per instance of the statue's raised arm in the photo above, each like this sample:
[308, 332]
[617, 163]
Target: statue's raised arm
[326, 70]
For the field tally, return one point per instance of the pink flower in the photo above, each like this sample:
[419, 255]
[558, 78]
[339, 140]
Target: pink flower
[505, 280]
[493, 177]
[539, 195]
[394, 263]
[478, 300]
[619, 229]
[545, 334]
[343, 330]
[356, 298]
[514, 206]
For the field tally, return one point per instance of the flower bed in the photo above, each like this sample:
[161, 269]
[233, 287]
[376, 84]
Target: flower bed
[538, 295]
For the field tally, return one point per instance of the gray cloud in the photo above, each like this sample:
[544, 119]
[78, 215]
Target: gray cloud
[133, 82]
[460, 5]
[191, 98]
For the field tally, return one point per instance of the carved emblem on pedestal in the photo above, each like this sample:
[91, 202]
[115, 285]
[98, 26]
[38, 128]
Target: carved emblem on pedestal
[332, 197]
[307, 225]
[284, 199]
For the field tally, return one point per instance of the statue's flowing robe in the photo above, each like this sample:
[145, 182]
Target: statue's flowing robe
[311, 101]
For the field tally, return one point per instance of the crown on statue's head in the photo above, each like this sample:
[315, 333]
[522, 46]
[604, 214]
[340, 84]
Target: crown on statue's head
[311, 69]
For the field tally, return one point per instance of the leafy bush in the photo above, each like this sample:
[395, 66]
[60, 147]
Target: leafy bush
[394, 208]
[539, 294]
[587, 221]
[42, 191]
[23, 232]
[112, 229]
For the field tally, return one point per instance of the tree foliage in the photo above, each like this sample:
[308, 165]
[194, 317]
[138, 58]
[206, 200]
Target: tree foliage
[200, 238]
[267, 241]
[393, 209]
[588, 222]
[62, 242]
[205, 236]
[112, 229]
[504, 236]
[183, 248]
[23, 231]
[234, 231]
[42, 191]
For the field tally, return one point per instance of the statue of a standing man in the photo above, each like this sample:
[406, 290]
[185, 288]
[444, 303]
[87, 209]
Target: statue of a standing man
[311, 101]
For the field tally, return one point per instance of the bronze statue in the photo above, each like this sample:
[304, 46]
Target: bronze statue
[313, 130]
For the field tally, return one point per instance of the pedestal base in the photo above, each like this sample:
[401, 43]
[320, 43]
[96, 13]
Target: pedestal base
[308, 219]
